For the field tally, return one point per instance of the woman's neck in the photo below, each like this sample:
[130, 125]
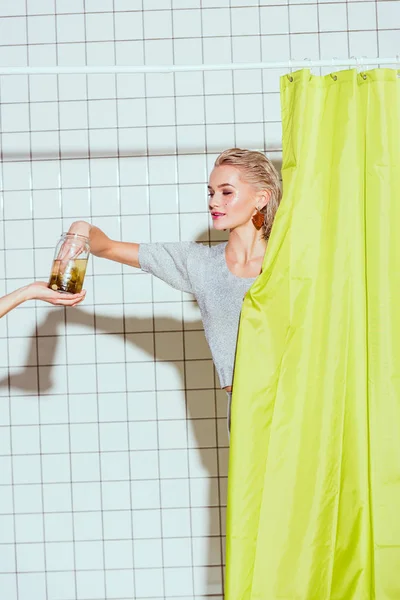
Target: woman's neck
[245, 245]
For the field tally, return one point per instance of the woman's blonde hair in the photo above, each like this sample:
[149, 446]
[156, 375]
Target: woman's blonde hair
[260, 172]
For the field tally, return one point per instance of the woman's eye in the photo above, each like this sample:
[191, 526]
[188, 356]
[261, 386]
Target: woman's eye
[227, 193]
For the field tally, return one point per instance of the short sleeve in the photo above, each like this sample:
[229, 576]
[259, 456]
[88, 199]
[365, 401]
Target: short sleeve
[169, 262]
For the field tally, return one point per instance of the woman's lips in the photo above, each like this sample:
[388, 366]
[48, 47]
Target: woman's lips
[217, 215]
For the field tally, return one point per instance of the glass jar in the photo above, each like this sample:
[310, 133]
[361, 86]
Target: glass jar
[70, 262]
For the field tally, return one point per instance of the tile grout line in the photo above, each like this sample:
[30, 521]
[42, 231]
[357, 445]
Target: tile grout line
[124, 297]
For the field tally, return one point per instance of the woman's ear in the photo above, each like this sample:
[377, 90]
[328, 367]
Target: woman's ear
[263, 198]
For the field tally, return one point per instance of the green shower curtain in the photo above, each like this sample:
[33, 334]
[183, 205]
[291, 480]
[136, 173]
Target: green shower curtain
[314, 473]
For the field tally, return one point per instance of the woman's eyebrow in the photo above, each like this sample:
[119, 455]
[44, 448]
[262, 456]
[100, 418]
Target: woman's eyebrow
[221, 185]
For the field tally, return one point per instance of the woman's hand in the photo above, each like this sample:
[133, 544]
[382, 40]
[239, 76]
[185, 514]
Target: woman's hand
[102, 246]
[39, 291]
[73, 247]
[81, 228]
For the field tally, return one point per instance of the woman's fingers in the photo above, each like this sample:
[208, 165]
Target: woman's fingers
[70, 250]
[81, 295]
[77, 302]
[68, 302]
[39, 290]
[59, 299]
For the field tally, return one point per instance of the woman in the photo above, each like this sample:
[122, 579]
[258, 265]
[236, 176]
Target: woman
[38, 290]
[244, 195]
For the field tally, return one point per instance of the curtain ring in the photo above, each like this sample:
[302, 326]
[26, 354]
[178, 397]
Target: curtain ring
[333, 75]
[309, 66]
[289, 76]
[360, 62]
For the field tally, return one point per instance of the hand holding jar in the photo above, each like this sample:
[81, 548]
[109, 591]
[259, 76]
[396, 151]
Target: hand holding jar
[70, 262]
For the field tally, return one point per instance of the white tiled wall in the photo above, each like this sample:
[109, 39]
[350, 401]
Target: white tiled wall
[113, 445]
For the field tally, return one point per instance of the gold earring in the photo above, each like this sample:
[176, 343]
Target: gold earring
[258, 219]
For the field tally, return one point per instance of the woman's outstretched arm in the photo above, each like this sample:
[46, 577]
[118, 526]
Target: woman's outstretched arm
[38, 291]
[167, 261]
[104, 247]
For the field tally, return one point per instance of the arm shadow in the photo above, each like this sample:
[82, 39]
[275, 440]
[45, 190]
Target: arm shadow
[207, 453]
[213, 462]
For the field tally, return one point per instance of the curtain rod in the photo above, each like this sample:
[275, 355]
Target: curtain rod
[288, 64]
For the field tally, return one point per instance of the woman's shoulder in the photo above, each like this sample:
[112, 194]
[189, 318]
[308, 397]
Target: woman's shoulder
[203, 250]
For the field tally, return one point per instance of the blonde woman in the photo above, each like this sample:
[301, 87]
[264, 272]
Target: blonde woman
[38, 290]
[244, 195]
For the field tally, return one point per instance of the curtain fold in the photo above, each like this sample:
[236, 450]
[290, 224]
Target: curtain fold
[314, 472]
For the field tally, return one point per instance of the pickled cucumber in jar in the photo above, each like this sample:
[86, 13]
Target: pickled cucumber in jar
[70, 262]
[68, 277]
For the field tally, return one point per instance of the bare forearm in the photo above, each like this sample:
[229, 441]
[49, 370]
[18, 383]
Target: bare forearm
[100, 243]
[13, 300]
[102, 246]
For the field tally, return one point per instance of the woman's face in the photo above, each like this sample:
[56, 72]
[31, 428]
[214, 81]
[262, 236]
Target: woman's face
[232, 201]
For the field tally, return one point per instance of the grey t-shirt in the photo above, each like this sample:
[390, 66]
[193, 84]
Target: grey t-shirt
[202, 271]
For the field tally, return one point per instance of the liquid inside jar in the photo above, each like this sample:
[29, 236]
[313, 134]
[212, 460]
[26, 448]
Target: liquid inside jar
[68, 276]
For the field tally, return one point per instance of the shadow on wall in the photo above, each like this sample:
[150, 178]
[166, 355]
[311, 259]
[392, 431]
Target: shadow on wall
[209, 453]
[53, 324]
[210, 461]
